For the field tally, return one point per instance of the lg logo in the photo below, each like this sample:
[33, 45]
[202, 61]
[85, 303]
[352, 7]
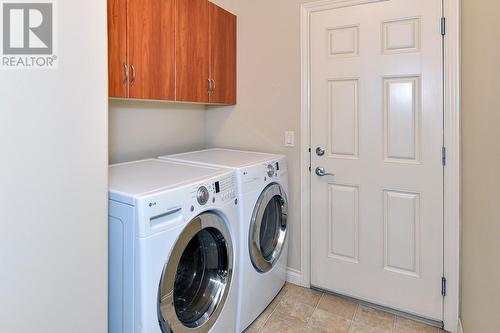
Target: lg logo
[27, 28]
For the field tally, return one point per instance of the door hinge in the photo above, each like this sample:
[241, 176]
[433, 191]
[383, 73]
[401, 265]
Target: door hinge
[443, 156]
[443, 286]
[443, 26]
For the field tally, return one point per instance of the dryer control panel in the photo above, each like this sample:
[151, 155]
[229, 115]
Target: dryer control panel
[274, 169]
[255, 177]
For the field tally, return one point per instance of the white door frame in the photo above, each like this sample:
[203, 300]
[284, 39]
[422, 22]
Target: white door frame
[452, 185]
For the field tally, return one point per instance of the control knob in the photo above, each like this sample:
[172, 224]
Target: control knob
[203, 195]
[270, 170]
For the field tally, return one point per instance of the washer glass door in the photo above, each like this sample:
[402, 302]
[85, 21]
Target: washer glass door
[268, 228]
[196, 280]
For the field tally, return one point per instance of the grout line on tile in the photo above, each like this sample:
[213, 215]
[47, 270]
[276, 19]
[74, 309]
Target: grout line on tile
[355, 311]
[315, 308]
[267, 319]
[272, 312]
[353, 318]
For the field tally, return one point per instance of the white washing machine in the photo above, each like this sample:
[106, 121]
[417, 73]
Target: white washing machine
[262, 191]
[173, 248]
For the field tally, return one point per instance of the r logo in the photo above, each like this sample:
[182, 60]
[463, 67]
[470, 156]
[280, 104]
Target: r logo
[27, 28]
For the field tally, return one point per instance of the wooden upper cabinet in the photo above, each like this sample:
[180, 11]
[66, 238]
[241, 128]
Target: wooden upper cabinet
[117, 48]
[151, 49]
[191, 51]
[174, 50]
[222, 30]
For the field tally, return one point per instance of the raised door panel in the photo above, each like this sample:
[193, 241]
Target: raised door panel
[151, 30]
[343, 118]
[192, 51]
[222, 55]
[402, 119]
[343, 223]
[117, 48]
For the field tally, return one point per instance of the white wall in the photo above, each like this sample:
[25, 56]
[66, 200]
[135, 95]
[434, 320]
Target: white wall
[268, 92]
[480, 166]
[53, 183]
[143, 129]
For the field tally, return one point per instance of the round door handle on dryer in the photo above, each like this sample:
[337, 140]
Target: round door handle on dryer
[320, 171]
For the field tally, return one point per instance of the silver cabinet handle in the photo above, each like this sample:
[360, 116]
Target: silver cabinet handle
[320, 171]
[125, 68]
[320, 151]
[213, 85]
[132, 81]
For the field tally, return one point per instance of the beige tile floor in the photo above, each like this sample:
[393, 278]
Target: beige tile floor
[301, 310]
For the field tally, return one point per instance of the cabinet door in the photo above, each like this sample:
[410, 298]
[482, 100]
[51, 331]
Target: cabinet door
[117, 48]
[192, 51]
[151, 41]
[222, 55]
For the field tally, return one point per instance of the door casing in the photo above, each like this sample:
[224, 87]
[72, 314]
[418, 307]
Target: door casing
[452, 142]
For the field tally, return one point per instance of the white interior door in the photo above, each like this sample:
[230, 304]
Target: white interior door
[377, 111]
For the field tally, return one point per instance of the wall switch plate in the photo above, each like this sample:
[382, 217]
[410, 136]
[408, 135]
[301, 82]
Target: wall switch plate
[289, 139]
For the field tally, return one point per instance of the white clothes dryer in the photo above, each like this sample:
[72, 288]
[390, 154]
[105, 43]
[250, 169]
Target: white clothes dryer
[173, 248]
[263, 194]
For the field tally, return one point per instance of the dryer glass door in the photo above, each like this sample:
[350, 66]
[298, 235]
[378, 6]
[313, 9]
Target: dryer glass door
[268, 228]
[196, 280]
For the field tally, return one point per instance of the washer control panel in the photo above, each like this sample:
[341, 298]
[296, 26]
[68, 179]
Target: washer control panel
[218, 190]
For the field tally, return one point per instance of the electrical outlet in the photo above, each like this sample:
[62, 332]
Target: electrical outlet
[289, 139]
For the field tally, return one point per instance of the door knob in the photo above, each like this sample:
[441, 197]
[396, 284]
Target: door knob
[320, 171]
[320, 151]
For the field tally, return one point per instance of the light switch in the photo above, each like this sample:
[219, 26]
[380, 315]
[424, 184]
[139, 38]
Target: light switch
[289, 139]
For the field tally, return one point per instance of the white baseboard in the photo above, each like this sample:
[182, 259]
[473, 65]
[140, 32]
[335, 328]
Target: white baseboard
[460, 328]
[294, 276]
